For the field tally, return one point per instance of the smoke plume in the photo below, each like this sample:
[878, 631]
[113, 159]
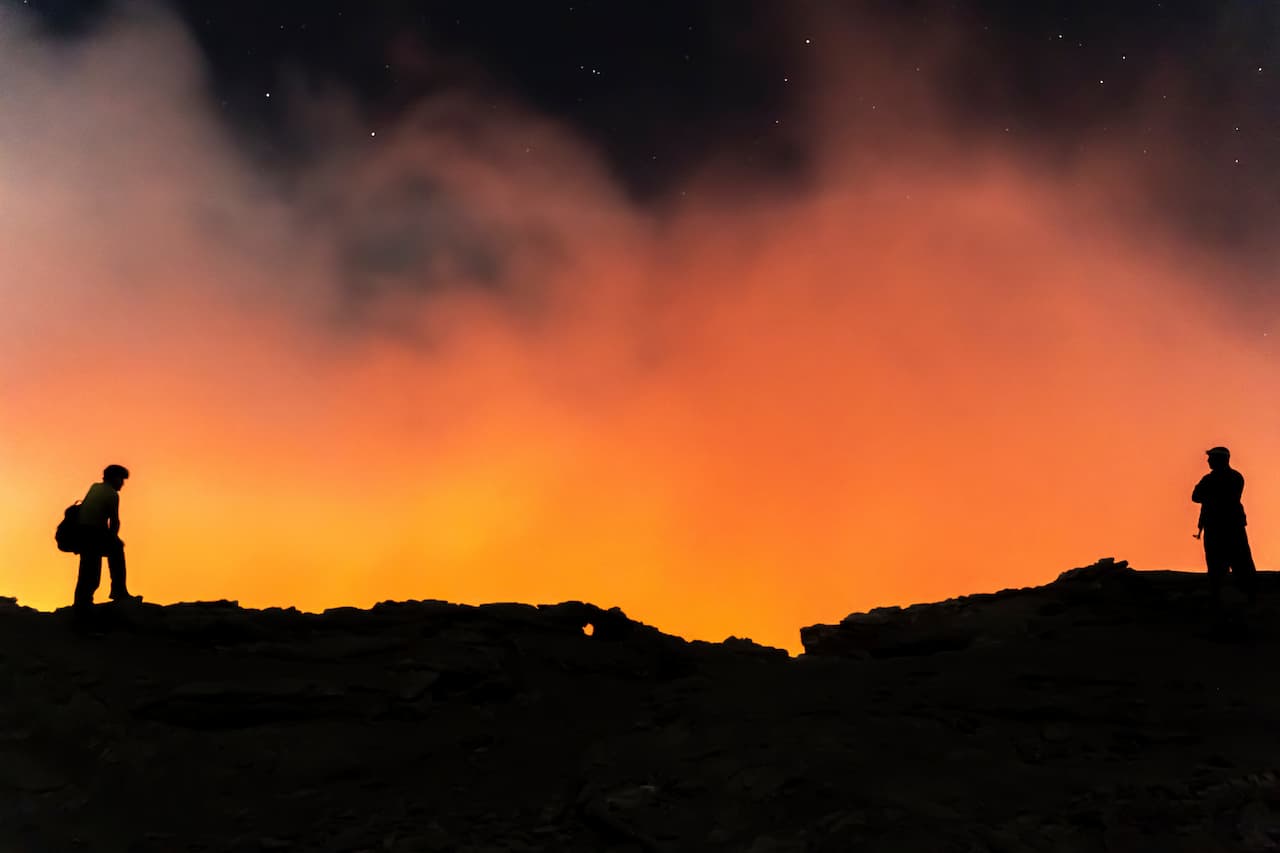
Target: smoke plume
[453, 360]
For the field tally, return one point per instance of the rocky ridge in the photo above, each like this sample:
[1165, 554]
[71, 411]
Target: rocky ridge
[1108, 710]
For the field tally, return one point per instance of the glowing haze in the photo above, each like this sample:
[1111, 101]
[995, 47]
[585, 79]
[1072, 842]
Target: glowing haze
[453, 361]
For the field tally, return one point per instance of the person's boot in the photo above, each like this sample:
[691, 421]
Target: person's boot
[124, 597]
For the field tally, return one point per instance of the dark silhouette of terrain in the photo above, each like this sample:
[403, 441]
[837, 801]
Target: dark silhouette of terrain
[1108, 710]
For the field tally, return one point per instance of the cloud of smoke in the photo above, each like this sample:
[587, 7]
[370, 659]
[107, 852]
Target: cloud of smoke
[453, 361]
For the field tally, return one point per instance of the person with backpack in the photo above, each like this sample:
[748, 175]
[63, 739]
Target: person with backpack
[1222, 522]
[99, 536]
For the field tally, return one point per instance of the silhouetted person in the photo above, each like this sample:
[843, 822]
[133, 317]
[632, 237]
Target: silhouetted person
[100, 537]
[1222, 518]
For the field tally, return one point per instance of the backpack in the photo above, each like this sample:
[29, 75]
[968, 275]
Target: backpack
[68, 533]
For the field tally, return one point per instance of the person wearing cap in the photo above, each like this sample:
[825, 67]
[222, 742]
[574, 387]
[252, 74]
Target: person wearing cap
[100, 537]
[1222, 520]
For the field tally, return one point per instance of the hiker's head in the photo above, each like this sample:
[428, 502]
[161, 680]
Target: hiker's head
[115, 475]
[1219, 457]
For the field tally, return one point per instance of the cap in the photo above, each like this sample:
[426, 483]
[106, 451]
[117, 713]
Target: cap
[1218, 451]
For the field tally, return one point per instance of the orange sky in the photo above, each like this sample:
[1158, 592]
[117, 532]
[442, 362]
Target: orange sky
[932, 377]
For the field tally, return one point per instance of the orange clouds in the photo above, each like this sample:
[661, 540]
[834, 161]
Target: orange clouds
[456, 364]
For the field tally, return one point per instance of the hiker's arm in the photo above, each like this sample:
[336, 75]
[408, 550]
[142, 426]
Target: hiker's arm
[113, 517]
[1199, 493]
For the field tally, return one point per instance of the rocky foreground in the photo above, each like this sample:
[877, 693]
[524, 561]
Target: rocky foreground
[1110, 710]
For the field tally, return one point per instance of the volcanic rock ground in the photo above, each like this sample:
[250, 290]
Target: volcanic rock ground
[1110, 710]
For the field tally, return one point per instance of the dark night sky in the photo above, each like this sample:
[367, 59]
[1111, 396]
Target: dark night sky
[660, 87]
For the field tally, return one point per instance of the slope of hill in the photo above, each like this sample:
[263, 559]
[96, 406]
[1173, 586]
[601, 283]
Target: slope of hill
[1109, 710]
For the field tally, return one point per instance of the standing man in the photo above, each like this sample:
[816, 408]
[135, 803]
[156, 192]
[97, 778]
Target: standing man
[1226, 545]
[100, 537]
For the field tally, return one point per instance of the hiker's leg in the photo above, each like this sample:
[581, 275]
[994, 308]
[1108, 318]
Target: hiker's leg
[1242, 565]
[115, 566]
[1217, 559]
[89, 577]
